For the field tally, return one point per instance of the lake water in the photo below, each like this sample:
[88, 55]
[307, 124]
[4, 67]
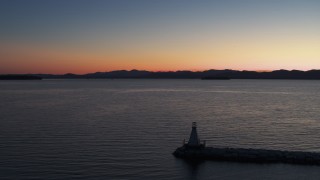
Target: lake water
[128, 129]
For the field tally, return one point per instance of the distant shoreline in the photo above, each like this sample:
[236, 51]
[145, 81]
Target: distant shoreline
[20, 77]
[142, 74]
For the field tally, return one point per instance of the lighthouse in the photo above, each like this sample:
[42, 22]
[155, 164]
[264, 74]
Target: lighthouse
[194, 140]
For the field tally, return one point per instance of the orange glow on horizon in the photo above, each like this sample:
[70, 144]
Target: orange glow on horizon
[255, 55]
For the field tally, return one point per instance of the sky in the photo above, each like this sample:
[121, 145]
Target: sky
[83, 36]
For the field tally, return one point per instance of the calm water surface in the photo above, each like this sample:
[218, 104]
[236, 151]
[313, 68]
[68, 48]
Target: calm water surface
[127, 129]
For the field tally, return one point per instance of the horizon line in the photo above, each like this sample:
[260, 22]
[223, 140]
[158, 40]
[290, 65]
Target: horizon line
[161, 71]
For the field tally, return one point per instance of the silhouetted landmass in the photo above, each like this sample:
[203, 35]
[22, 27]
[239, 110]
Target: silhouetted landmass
[19, 77]
[278, 74]
[209, 74]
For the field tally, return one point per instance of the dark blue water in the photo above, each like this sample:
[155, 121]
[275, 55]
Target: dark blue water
[127, 129]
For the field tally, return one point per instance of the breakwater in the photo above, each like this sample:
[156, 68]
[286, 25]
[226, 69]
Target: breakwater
[247, 155]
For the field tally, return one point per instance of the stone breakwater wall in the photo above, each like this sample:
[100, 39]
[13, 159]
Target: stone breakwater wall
[248, 155]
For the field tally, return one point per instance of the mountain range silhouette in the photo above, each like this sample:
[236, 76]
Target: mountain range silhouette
[208, 74]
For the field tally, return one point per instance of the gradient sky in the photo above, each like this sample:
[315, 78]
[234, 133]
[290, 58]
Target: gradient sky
[81, 36]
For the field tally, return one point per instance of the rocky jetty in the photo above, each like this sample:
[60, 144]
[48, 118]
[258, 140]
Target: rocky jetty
[248, 155]
[195, 150]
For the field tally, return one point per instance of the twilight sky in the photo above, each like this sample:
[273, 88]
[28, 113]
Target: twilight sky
[81, 36]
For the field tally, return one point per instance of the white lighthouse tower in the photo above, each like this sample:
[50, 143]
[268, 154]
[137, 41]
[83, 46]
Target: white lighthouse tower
[194, 140]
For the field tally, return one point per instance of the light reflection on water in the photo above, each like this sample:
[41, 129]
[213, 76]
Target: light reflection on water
[127, 129]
